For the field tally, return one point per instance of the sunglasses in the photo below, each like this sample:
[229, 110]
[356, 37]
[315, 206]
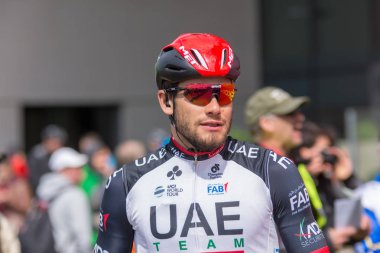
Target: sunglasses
[201, 94]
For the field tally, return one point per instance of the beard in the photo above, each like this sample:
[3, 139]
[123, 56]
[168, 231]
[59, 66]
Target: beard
[201, 143]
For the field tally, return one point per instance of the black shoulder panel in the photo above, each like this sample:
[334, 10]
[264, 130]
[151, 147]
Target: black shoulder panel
[248, 155]
[132, 172]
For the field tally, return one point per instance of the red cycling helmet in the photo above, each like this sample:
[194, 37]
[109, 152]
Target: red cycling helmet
[194, 55]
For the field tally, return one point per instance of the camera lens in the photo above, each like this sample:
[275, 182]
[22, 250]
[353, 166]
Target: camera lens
[329, 158]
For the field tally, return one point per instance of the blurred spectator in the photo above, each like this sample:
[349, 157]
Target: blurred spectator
[53, 137]
[157, 138]
[88, 141]
[369, 193]
[274, 119]
[15, 195]
[70, 210]
[18, 162]
[328, 175]
[128, 151]
[9, 242]
[99, 167]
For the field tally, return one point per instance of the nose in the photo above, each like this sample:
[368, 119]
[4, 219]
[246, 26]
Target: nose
[299, 117]
[213, 107]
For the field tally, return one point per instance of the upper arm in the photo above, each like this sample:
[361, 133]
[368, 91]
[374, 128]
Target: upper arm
[291, 207]
[115, 233]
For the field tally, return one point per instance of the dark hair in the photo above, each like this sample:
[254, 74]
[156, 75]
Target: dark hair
[54, 131]
[310, 132]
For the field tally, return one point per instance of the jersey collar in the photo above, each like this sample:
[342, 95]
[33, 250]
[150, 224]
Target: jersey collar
[176, 149]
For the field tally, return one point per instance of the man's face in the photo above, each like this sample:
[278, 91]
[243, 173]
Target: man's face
[52, 144]
[313, 154]
[204, 128]
[288, 129]
[75, 174]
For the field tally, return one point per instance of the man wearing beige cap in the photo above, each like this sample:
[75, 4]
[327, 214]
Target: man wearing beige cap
[275, 119]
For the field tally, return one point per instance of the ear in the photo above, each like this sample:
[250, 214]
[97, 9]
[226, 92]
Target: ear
[267, 123]
[165, 102]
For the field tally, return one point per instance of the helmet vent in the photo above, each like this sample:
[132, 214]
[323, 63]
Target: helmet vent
[199, 58]
[173, 67]
[167, 49]
[224, 58]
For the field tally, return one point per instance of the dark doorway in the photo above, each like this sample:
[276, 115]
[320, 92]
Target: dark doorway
[77, 120]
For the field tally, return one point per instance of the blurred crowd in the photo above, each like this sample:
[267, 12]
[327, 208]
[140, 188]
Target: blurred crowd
[68, 181]
[346, 209]
[71, 181]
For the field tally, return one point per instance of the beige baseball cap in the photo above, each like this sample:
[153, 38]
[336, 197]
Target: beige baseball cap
[271, 100]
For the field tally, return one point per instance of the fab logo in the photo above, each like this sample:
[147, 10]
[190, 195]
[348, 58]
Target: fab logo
[217, 189]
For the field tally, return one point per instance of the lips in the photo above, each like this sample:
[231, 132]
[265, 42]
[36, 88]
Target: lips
[298, 127]
[212, 124]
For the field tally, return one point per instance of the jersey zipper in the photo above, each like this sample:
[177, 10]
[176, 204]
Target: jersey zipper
[195, 200]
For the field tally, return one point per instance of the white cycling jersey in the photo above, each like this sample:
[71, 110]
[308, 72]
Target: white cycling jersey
[236, 199]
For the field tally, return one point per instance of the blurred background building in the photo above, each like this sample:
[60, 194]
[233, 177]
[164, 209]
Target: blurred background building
[89, 65]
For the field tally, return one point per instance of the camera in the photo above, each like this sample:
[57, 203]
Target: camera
[329, 158]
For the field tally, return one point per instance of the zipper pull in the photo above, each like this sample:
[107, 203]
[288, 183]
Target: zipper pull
[196, 159]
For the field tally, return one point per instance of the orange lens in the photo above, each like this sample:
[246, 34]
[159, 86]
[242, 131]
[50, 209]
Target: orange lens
[227, 93]
[201, 94]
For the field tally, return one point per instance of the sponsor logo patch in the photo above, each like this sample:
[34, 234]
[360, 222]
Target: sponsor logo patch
[299, 199]
[215, 172]
[217, 189]
[171, 190]
[175, 172]
[98, 249]
[159, 191]
[103, 218]
[309, 233]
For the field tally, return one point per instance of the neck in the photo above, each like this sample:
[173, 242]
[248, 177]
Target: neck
[195, 153]
[181, 140]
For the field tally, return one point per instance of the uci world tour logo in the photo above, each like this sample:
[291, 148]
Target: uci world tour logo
[175, 172]
[159, 191]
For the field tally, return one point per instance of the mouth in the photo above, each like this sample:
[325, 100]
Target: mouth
[298, 127]
[212, 124]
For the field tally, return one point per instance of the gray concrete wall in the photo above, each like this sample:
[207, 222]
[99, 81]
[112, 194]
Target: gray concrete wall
[90, 51]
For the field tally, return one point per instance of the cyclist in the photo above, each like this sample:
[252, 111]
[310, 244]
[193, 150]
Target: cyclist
[205, 191]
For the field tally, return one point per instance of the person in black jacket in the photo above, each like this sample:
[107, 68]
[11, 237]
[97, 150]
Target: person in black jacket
[53, 137]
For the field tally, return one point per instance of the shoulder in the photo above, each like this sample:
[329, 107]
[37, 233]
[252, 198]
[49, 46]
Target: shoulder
[242, 152]
[248, 155]
[114, 183]
[132, 172]
[38, 152]
[265, 163]
[279, 168]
